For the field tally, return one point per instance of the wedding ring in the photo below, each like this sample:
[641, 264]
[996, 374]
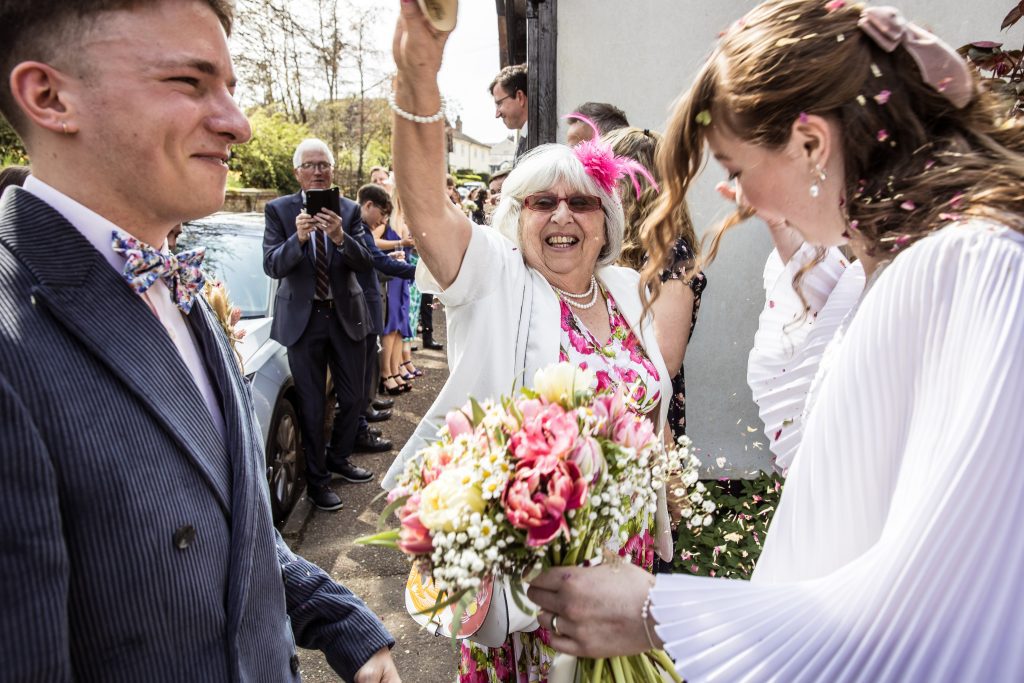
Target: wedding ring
[554, 625]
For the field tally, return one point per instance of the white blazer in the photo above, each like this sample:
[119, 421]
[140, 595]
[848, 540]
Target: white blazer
[504, 325]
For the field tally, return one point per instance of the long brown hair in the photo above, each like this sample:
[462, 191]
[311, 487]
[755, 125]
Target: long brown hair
[913, 161]
[642, 146]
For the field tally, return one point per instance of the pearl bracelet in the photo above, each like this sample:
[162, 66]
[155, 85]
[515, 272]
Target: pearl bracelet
[413, 117]
[644, 612]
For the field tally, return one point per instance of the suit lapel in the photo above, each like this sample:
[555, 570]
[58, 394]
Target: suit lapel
[243, 446]
[90, 300]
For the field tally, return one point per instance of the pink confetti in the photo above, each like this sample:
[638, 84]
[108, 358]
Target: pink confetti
[908, 205]
[803, 117]
[771, 304]
[929, 164]
[854, 225]
[902, 240]
[944, 83]
[883, 135]
[834, 5]
[957, 201]
[883, 96]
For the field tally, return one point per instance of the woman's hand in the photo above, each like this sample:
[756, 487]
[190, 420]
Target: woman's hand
[597, 608]
[417, 46]
[787, 239]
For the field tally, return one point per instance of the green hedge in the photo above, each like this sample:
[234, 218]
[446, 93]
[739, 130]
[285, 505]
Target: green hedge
[731, 544]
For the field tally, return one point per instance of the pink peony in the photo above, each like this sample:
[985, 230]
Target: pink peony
[414, 538]
[537, 502]
[545, 438]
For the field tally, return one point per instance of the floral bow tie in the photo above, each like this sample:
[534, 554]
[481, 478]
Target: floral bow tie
[144, 265]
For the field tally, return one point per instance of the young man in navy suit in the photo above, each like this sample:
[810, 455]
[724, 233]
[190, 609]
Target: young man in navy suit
[134, 516]
[321, 316]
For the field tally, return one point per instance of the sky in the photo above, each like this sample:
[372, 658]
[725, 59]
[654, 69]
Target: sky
[470, 63]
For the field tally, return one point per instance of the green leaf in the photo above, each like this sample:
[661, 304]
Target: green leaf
[388, 539]
[389, 509]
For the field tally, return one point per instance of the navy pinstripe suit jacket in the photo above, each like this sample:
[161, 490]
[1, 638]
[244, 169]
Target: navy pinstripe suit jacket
[137, 544]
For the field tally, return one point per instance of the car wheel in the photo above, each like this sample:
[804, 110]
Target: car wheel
[285, 466]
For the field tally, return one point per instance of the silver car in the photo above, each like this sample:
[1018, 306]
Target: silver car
[234, 255]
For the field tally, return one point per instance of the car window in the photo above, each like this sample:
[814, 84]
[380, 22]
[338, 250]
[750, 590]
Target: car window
[234, 255]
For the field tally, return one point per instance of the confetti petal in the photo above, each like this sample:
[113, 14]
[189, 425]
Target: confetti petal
[704, 118]
[883, 135]
[908, 205]
[861, 100]
[803, 117]
[883, 96]
[834, 5]
[875, 71]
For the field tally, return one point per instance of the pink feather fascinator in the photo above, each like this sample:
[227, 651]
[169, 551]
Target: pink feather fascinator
[603, 165]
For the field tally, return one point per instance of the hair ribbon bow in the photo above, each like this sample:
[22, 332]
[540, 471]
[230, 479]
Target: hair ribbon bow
[941, 67]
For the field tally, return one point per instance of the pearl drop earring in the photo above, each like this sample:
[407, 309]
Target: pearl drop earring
[816, 185]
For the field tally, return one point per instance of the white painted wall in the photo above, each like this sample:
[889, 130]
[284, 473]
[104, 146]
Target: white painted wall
[639, 55]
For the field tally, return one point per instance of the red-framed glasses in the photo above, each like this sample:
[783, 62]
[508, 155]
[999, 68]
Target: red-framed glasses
[547, 202]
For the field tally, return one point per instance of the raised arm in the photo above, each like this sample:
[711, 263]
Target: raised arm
[442, 230]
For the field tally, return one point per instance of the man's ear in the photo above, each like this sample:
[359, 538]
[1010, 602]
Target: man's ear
[43, 94]
[812, 138]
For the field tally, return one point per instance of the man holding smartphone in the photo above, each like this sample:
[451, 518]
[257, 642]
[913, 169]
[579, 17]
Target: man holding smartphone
[320, 314]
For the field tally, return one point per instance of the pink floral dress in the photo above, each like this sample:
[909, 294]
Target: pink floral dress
[622, 360]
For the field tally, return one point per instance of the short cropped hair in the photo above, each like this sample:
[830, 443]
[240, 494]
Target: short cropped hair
[512, 79]
[539, 170]
[309, 145]
[608, 117]
[371, 192]
[44, 30]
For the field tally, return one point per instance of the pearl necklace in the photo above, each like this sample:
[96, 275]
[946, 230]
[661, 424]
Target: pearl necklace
[571, 298]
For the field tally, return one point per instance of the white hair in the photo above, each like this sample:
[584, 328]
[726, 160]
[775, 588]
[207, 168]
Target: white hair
[541, 169]
[310, 145]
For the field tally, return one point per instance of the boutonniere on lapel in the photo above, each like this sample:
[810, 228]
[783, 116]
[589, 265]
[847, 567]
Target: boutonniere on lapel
[227, 315]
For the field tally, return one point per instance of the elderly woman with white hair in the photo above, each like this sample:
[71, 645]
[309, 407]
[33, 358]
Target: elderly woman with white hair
[536, 288]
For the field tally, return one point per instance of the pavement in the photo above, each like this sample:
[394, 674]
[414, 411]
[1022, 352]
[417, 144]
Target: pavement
[377, 575]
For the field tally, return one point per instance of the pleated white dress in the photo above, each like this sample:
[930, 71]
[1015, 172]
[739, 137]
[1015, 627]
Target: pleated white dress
[789, 343]
[897, 551]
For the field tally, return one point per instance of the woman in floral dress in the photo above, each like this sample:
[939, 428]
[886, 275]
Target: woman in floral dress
[619, 361]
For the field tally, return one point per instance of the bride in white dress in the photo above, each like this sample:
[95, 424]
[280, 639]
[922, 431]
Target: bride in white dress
[896, 551]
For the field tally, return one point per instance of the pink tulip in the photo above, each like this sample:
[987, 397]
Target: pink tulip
[589, 458]
[609, 409]
[414, 538]
[458, 423]
[632, 431]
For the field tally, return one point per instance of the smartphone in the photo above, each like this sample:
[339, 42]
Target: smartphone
[323, 199]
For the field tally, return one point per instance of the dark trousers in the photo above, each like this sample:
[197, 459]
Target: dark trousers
[324, 344]
[427, 315]
[372, 373]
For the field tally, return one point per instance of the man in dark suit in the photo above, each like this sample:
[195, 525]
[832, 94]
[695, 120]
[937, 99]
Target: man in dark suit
[509, 90]
[134, 516]
[374, 207]
[320, 315]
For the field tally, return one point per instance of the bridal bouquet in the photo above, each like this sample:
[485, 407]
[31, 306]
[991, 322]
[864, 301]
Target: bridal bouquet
[557, 476]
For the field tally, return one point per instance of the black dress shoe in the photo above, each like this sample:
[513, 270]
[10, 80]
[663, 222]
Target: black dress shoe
[324, 498]
[373, 431]
[367, 443]
[350, 472]
[373, 415]
[383, 403]
[429, 343]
